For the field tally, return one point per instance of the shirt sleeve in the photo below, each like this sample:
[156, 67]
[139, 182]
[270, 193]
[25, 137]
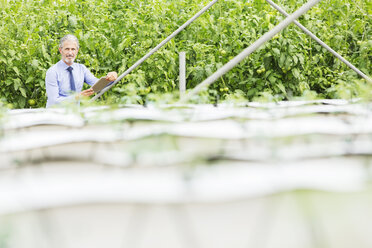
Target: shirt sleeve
[89, 78]
[52, 89]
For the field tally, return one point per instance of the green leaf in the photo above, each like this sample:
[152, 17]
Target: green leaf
[282, 88]
[21, 102]
[16, 70]
[288, 62]
[282, 60]
[276, 51]
[296, 73]
[42, 83]
[29, 79]
[301, 58]
[11, 53]
[272, 78]
[23, 92]
[295, 59]
[35, 63]
[16, 83]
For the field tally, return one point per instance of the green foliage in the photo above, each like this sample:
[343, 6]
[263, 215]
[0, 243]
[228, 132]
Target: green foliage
[115, 34]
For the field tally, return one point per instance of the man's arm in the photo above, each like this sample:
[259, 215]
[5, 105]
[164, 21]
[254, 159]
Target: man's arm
[52, 89]
[90, 79]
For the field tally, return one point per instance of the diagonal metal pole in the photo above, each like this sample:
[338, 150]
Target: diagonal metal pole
[321, 42]
[156, 48]
[246, 52]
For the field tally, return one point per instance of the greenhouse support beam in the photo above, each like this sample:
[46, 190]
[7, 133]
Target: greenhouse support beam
[182, 86]
[156, 48]
[246, 52]
[321, 42]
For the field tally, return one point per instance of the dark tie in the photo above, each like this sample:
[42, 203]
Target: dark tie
[72, 81]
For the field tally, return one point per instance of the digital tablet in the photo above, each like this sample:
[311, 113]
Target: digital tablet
[100, 84]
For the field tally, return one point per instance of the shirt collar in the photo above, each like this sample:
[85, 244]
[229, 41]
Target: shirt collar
[64, 66]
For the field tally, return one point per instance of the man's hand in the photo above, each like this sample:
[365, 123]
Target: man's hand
[87, 92]
[111, 76]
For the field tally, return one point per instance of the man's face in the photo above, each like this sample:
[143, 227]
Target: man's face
[69, 51]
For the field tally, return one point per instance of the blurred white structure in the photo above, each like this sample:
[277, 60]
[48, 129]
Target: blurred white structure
[291, 174]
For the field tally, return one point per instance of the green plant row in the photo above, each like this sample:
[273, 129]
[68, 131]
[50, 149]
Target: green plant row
[115, 34]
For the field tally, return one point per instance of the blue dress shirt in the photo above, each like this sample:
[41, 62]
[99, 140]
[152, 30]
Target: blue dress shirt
[57, 81]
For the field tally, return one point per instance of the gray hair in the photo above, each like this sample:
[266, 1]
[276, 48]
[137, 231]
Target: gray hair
[69, 37]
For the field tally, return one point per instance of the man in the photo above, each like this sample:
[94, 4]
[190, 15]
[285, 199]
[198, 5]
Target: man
[64, 80]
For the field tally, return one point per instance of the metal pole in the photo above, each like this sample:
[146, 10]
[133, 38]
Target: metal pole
[156, 48]
[321, 42]
[182, 73]
[267, 36]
